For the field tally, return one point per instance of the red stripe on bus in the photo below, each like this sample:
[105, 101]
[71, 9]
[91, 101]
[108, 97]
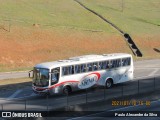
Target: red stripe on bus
[98, 75]
[56, 85]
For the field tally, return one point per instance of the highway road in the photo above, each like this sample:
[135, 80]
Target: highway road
[30, 101]
[9, 75]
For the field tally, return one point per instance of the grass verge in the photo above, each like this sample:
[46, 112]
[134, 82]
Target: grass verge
[14, 84]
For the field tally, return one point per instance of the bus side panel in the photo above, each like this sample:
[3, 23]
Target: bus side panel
[72, 81]
[78, 77]
[118, 75]
[104, 74]
[127, 75]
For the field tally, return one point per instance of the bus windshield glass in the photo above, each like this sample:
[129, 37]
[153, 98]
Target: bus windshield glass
[41, 77]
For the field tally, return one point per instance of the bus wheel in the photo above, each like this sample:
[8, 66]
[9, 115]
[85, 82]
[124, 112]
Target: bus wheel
[67, 90]
[109, 83]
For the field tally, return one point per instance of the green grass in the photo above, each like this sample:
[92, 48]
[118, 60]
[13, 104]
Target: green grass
[135, 17]
[15, 81]
[7, 68]
[51, 13]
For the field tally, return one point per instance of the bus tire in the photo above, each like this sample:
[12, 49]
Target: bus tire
[67, 90]
[109, 83]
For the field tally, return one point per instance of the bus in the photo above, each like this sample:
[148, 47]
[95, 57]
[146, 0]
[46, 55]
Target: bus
[82, 72]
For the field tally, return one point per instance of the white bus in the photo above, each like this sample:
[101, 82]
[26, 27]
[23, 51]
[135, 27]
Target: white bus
[82, 72]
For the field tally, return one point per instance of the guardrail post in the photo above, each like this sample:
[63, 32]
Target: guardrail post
[138, 86]
[47, 102]
[2, 106]
[104, 93]
[67, 101]
[86, 99]
[154, 83]
[122, 89]
[25, 104]
[86, 96]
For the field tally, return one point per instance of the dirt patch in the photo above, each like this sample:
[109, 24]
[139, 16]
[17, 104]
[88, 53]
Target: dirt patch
[147, 43]
[25, 47]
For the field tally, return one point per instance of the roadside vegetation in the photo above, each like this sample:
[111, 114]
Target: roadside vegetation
[14, 84]
[136, 17]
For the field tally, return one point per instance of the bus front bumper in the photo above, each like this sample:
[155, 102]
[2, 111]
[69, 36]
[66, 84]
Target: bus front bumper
[40, 91]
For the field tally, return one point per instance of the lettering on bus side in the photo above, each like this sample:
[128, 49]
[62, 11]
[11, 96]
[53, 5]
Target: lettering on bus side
[88, 81]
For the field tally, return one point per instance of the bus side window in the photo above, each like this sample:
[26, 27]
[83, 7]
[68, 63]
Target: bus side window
[64, 71]
[107, 64]
[55, 75]
[123, 62]
[111, 64]
[129, 61]
[100, 65]
[77, 69]
[89, 66]
[126, 61]
[118, 62]
[83, 68]
[114, 63]
[55, 78]
[71, 70]
[103, 65]
[95, 66]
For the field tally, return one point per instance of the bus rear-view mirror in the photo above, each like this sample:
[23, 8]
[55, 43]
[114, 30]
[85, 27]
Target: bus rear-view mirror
[30, 74]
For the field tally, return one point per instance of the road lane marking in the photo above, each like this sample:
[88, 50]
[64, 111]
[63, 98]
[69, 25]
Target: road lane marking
[15, 94]
[153, 72]
[141, 77]
[33, 94]
[147, 68]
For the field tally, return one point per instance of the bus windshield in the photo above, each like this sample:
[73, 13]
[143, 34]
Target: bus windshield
[41, 77]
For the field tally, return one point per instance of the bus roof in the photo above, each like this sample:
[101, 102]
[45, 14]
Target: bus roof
[81, 59]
